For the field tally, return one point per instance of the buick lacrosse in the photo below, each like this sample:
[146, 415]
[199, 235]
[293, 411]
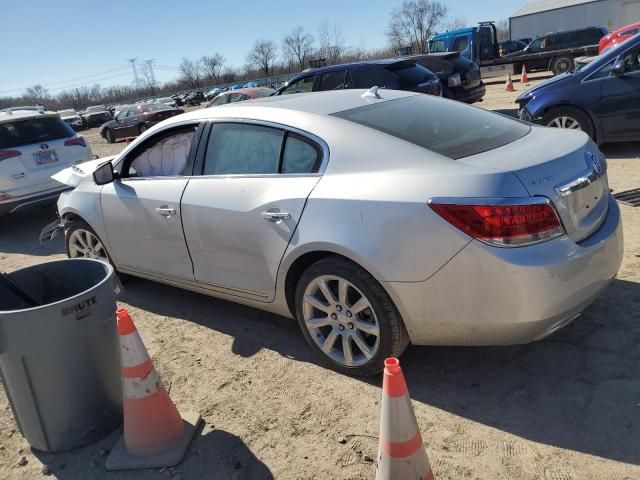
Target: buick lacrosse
[375, 218]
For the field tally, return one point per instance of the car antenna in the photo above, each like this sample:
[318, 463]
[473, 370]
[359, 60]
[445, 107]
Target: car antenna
[371, 93]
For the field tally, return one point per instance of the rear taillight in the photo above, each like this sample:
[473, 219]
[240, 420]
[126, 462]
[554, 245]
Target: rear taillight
[78, 140]
[5, 154]
[505, 224]
[4, 196]
[454, 80]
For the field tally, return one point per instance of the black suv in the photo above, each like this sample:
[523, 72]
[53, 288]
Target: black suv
[572, 39]
[396, 74]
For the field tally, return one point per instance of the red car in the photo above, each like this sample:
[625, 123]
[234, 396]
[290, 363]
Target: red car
[618, 36]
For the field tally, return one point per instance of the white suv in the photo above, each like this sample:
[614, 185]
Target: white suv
[35, 144]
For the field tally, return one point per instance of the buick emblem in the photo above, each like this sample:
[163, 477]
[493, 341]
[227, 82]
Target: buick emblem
[592, 159]
[44, 146]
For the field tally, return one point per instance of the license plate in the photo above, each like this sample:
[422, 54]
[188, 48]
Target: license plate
[46, 156]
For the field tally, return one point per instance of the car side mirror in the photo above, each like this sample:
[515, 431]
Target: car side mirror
[618, 68]
[104, 174]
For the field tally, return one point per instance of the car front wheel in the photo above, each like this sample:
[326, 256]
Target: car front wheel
[108, 135]
[347, 317]
[82, 242]
[569, 118]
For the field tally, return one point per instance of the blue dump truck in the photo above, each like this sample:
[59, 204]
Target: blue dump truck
[556, 51]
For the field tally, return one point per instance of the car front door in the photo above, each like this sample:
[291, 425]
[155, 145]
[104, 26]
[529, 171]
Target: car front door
[141, 210]
[619, 106]
[120, 124]
[240, 215]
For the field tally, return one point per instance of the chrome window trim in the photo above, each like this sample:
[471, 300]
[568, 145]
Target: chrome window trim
[280, 126]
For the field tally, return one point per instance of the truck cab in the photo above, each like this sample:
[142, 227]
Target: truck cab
[476, 43]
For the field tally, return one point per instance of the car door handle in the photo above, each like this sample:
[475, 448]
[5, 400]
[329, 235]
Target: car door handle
[18, 176]
[166, 211]
[274, 216]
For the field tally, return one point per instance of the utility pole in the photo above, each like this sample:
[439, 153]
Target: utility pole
[136, 79]
[149, 75]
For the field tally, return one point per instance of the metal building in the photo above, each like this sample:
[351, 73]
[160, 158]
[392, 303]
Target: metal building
[544, 16]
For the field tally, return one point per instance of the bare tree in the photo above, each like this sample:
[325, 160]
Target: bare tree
[502, 27]
[331, 42]
[298, 44]
[456, 23]
[212, 66]
[36, 93]
[262, 55]
[414, 22]
[190, 72]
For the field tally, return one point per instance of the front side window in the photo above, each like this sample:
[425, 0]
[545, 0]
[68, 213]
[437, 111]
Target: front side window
[631, 59]
[303, 85]
[460, 44]
[219, 100]
[332, 80]
[451, 129]
[122, 114]
[165, 155]
[242, 149]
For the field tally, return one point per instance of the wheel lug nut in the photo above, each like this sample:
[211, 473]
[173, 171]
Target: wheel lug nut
[349, 314]
[350, 325]
[339, 308]
[341, 328]
[334, 316]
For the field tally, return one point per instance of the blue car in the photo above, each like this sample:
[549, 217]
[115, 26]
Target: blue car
[601, 98]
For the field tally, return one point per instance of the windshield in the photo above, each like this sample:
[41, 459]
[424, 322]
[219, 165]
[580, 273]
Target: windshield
[452, 129]
[437, 46]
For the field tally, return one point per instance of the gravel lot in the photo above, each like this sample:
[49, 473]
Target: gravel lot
[565, 408]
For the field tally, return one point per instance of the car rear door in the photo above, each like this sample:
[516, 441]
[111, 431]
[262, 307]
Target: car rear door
[33, 149]
[240, 215]
[141, 210]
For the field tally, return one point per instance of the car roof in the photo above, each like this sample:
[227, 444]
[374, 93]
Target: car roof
[449, 33]
[249, 90]
[321, 103]
[24, 113]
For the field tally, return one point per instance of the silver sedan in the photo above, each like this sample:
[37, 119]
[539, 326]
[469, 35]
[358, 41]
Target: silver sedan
[376, 219]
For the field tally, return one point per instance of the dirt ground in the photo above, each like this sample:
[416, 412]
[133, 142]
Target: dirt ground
[565, 408]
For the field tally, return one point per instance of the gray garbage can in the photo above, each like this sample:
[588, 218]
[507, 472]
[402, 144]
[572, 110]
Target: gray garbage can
[59, 362]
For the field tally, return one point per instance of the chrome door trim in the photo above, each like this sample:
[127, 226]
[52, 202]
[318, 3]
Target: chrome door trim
[586, 178]
[153, 274]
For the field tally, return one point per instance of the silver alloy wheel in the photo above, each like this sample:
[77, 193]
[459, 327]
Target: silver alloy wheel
[83, 243]
[565, 122]
[341, 320]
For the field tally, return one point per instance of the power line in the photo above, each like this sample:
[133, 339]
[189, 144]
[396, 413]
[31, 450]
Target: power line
[67, 81]
[93, 82]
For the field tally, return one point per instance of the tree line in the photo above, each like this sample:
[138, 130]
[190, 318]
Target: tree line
[411, 24]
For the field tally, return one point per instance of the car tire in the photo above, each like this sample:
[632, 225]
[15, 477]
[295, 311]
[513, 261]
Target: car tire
[81, 241]
[562, 64]
[380, 317]
[570, 118]
[142, 128]
[108, 135]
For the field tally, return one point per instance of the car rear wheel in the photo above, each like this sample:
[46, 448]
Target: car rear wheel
[561, 65]
[569, 118]
[108, 135]
[82, 242]
[347, 317]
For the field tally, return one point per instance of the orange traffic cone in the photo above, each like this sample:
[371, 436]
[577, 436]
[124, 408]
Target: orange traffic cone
[401, 453]
[524, 79]
[155, 435]
[509, 85]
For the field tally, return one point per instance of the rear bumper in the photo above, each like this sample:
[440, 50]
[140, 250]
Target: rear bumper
[470, 95]
[502, 296]
[39, 199]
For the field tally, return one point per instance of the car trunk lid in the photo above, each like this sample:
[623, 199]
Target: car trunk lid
[564, 166]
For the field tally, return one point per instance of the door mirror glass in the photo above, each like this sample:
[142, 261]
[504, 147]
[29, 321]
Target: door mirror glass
[618, 68]
[103, 174]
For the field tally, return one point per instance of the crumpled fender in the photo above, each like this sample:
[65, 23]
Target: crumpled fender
[77, 174]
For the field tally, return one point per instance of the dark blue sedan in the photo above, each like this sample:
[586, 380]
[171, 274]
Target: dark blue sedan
[602, 98]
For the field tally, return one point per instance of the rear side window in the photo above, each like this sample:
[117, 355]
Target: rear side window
[410, 76]
[451, 129]
[300, 155]
[33, 130]
[303, 85]
[240, 149]
[363, 79]
[333, 80]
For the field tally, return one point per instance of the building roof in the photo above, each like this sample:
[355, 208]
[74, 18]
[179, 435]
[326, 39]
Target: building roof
[538, 6]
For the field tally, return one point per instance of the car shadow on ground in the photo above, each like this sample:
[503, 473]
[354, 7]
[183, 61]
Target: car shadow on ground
[623, 150]
[578, 389]
[19, 232]
[212, 450]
